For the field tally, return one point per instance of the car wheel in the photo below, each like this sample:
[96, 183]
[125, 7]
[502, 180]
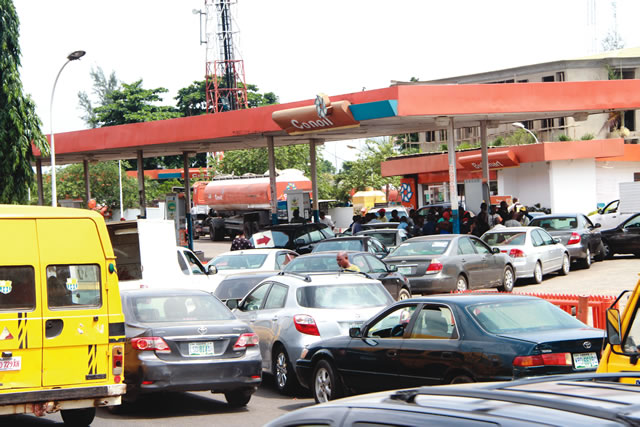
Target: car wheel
[566, 265]
[508, 280]
[461, 283]
[606, 250]
[586, 262]
[461, 379]
[537, 273]
[78, 417]
[283, 372]
[326, 385]
[404, 294]
[600, 254]
[238, 398]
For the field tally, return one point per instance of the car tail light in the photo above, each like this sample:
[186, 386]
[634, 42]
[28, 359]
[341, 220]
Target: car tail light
[548, 359]
[574, 239]
[434, 267]
[246, 340]
[517, 253]
[116, 360]
[305, 324]
[150, 344]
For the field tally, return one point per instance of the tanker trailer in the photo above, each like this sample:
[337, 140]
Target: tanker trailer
[232, 200]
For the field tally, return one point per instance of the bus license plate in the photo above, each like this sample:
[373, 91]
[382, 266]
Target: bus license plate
[201, 349]
[585, 361]
[11, 364]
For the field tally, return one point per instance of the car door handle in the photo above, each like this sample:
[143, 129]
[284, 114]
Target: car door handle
[392, 353]
[274, 318]
[53, 327]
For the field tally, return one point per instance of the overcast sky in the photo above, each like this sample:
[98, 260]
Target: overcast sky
[297, 48]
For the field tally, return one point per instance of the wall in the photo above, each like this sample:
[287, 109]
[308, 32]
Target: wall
[573, 185]
[529, 183]
[609, 175]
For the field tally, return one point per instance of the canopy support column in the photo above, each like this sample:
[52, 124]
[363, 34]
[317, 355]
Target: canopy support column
[39, 181]
[272, 179]
[141, 193]
[87, 184]
[187, 199]
[453, 178]
[486, 195]
[314, 177]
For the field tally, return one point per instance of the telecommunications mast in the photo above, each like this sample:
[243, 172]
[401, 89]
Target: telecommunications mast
[224, 76]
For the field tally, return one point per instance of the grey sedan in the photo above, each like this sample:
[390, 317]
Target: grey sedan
[187, 340]
[448, 262]
[577, 233]
[533, 251]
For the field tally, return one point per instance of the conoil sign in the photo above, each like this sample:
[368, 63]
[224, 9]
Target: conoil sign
[321, 117]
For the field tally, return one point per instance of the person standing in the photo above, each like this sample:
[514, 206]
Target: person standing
[504, 212]
[482, 221]
[296, 217]
[494, 216]
[342, 258]
[382, 215]
[324, 219]
[242, 240]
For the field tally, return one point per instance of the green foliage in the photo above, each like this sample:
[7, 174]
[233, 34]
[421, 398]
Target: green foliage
[444, 147]
[466, 145]
[192, 100]
[19, 124]
[257, 99]
[563, 137]
[102, 88]
[587, 137]
[497, 142]
[519, 137]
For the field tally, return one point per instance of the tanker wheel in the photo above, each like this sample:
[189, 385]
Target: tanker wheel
[218, 234]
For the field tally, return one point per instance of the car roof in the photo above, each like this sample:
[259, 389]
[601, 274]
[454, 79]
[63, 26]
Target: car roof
[505, 229]
[322, 278]
[259, 251]
[558, 215]
[162, 292]
[339, 239]
[250, 274]
[434, 237]
[472, 298]
[333, 252]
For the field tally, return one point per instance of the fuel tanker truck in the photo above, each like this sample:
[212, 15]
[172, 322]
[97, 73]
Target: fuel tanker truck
[224, 204]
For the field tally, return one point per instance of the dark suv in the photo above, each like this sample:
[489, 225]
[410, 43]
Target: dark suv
[297, 237]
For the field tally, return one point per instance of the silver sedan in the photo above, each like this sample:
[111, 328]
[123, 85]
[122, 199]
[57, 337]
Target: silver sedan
[533, 251]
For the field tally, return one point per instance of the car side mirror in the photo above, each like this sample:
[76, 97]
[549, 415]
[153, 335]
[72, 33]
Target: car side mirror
[380, 255]
[233, 303]
[355, 332]
[299, 242]
[556, 240]
[597, 225]
[613, 326]
[600, 211]
[212, 269]
[495, 250]
[392, 268]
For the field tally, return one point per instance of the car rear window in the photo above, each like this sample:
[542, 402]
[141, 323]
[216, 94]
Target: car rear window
[522, 316]
[429, 247]
[356, 295]
[342, 245]
[505, 238]
[387, 239]
[556, 224]
[239, 262]
[270, 239]
[313, 263]
[232, 288]
[179, 308]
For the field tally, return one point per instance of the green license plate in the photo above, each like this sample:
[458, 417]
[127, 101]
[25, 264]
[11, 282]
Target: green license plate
[201, 349]
[585, 361]
[404, 270]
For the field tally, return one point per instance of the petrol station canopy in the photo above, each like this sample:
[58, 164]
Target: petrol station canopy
[381, 112]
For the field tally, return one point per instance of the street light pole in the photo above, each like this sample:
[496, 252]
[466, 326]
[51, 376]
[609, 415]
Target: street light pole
[521, 126]
[71, 57]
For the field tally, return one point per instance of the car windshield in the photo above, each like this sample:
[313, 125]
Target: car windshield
[179, 308]
[522, 316]
[270, 239]
[356, 295]
[387, 239]
[339, 245]
[313, 264]
[427, 247]
[238, 262]
[556, 224]
[505, 238]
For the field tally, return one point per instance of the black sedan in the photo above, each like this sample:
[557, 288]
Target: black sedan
[577, 233]
[449, 262]
[397, 285]
[353, 243]
[238, 285]
[187, 340]
[297, 237]
[450, 339]
[624, 239]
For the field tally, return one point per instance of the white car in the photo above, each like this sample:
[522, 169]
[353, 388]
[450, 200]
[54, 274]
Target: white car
[248, 260]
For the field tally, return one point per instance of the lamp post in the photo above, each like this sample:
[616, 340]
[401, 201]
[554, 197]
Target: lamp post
[71, 57]
[521, 126]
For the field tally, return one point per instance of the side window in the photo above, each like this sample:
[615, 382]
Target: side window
[194, 263]
[537, 239]
[586, 221]
[377, 266]
[254, 299]
[434, 322]
[73, 285]
[480, 247]
[634, 223]
[315, 236]
[546, 237]
[378, 246]
[277, 296]
[393, 324]
[183, 265]
[361, 263]
[305, 237]
[465, 247]
[17, 288]
[283, 258]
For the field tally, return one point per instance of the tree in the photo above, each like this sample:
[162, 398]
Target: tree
[102, 88]
[20, 127]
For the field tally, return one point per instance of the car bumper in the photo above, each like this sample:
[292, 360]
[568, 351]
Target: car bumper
[577, 252]
[546, 370]
[432, 284]
[304, 370]
[187, 375]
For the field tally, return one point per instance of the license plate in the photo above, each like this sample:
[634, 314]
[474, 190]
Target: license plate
[11, 364]
[585, 361]
[201, 349]
[404, 270]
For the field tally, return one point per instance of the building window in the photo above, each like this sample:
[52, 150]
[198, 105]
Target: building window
[430, 136]
[560, 76]
[547, 123]
[523, 81]
[636, 176]
[548, 79]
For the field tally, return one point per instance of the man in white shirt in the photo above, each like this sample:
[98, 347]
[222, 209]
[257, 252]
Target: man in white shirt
[324, 219]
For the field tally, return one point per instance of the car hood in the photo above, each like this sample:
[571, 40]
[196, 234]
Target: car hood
[557, 336]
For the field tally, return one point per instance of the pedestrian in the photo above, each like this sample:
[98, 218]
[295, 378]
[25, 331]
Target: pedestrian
[296, 217]
[465, 223]
[514, 208]
[494, 216]
[324, 219]
[482, 221]
[504, 212]
[342, 258]
[242, 240]
[357, 225]
[394, 216]
[444, 226]
[524, 218]
[382, 215]
[412, 216]
[403, 223]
